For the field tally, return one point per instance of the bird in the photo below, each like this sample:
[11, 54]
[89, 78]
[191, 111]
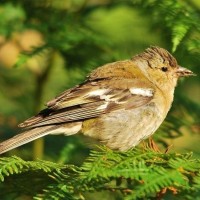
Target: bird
[119, 104]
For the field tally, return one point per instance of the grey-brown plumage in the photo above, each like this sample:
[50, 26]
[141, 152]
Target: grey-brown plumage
[119, 104]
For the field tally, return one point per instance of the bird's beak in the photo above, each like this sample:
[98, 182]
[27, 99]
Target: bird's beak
[181, 71]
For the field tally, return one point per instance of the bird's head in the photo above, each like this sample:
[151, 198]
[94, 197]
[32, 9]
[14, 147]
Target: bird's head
[159, 66]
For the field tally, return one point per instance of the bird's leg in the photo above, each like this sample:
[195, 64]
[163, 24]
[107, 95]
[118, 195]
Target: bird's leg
[152, 145]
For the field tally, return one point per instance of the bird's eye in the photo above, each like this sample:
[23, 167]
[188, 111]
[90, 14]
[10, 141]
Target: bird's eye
[164, 69]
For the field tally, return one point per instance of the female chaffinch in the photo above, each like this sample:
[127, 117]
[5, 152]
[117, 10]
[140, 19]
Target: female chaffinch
[119, 104]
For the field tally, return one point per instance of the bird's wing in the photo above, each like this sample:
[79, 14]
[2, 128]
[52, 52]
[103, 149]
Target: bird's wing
[91, 100]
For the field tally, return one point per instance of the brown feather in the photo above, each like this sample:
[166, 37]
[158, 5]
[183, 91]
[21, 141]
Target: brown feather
[76, 105]
[25, 137]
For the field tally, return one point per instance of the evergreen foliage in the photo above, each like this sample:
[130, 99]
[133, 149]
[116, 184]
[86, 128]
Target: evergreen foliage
[135, 174]
[180, 19]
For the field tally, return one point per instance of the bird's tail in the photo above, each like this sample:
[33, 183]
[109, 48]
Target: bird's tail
[25, 137]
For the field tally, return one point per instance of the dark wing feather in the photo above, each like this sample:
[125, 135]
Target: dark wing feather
[86, 101]
[76, 113]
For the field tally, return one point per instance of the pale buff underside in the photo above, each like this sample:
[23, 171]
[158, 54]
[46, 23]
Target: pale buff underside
[125, 127]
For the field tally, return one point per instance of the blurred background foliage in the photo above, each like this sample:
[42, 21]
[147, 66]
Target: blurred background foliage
[47, 46]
